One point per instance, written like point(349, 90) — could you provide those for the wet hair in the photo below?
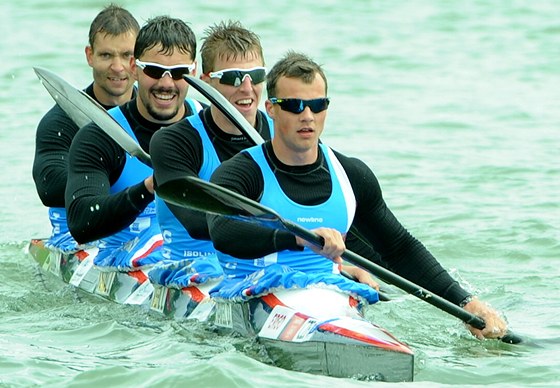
point(112, 20)
point(229, 40)
point(172, 34)
point(293, 65)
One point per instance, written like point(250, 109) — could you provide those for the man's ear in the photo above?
point(89, 55)
point(195, 70)
point(133, 67)
point(269, 106)
point(205, 77)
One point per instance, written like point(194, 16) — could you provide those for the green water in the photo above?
point(454, 104)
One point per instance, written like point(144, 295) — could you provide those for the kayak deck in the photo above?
point(316, 330)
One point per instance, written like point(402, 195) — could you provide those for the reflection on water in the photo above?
point(453, 104)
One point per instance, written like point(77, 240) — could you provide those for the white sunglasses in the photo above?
point(157, 71)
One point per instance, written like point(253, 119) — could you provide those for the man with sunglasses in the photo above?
point(110, 195)
point(111, 45)
point(323, 190)
point(233, 63)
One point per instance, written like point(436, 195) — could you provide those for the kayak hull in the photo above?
point(315, 330)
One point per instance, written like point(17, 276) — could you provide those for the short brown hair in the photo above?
point(171, 33)
point(112, 20)
point(228, 40)
point(293, 65)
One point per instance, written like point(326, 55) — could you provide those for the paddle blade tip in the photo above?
point(513, 339)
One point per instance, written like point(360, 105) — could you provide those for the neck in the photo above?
point(106, 99)
point(224, 124)
point(293, 156)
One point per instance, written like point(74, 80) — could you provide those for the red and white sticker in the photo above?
point(286, 324)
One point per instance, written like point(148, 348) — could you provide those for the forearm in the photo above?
point(232, 237)
point(50, 164)
point(50, 176)
point(193, 221)
point(419, 266)
point(94, 216)
point(398, 249)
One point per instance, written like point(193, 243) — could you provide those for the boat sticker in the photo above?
point(300, 328)
point(106, 280)
point(158, 299)
point(83, 268)
point(202, 310)
point(224, 315)
point(53, 263)
point(141, 294)
point(276, 322)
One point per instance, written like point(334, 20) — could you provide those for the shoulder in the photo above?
point(238, 165)
point(240, 174)
point(359, 173)
point(351, 164)
point(91, 135)
point(54, 119)
point(181, 131)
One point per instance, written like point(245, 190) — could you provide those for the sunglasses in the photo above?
point(157, 71)
point(234, 77)
point(297, 105)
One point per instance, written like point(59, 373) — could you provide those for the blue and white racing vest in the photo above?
point(177, 242)
point(134, 171)
point(342, 199)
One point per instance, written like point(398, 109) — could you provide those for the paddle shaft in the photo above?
point(390, 277)
point(400, 282)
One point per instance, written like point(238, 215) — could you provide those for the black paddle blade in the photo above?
point(198, 194)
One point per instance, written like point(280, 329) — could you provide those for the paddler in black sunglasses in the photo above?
point(323, 190)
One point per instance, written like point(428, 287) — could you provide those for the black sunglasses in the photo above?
point(297, 105)
point(157, 71)
point(234, 77)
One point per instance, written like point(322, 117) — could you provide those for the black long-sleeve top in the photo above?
point(392, 244)
point(178, 151)
point(95, 162)
point(53, 138)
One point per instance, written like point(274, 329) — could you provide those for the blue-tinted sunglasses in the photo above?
point(157, 71)
point(297, 105)
point(234, 77)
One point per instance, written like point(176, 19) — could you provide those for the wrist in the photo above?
point(466, 301)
